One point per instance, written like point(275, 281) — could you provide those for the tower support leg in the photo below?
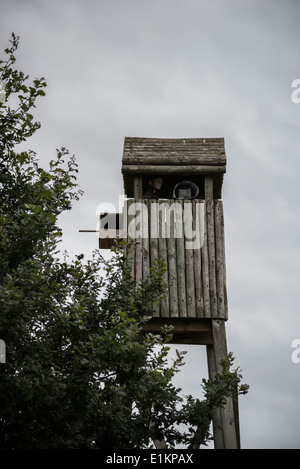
point(224, 425)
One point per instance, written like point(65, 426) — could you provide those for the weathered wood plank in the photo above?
point(130, 236)
point(162, 252)
point(212, 258)
point(158, 140)
point(145, 241)
point(205, 268)
point(189, 259)
point(139, 241)
point(180, 253)
point(153, 230)
point(180, 325)
point(197, 226)
point(172, 265)
point(151, 157)
point(219, 259)
point(163, 145)
point(224, 262)
point(176, 169)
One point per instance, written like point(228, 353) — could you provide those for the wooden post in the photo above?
point(209, 188)
point(138, 187)
point(217, 418)
point(225, 435)
point(230, 439)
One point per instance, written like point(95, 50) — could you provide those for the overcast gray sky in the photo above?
point(189, 68)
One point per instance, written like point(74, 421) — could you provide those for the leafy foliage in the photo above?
point(80, 373)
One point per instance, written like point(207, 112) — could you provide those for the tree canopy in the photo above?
point(79, 371)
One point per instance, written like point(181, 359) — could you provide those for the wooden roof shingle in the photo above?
point(166, 156)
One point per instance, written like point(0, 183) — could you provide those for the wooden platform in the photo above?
point(184, 331)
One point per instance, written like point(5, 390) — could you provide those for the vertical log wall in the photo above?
point(189, 236)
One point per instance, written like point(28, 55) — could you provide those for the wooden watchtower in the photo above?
point(175, 212)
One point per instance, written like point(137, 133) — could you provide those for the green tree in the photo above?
point(79, 371)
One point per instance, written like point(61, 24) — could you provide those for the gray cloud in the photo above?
point(189, 69)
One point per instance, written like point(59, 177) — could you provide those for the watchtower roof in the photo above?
point(188, 157)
